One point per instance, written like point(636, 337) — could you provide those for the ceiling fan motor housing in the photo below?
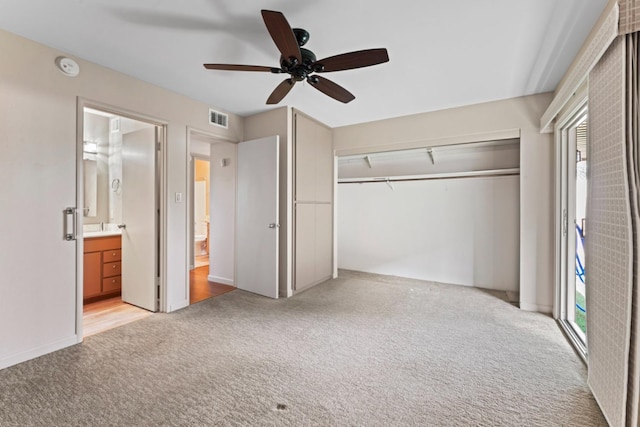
point(298, 71)
point(302, 36)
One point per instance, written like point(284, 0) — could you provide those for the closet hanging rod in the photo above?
point(475, 174)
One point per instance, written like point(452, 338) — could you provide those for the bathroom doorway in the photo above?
point(120, 217)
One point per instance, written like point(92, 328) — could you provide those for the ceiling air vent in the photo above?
point(219, 119)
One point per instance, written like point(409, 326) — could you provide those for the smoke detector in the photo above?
point(67, 66)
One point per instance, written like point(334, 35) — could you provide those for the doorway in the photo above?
point(573, 158)
point(120, 217)
point(211, 208)
point(201, 196)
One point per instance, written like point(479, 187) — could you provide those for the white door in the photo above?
point(257, 216)
point(140, 219)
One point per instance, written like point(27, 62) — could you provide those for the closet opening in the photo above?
point(443, 213)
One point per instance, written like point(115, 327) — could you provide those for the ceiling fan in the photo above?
point(301, 63)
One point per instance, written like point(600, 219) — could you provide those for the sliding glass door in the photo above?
point(573, 289)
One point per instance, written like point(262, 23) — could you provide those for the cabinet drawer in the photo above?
point(110, 269)
point(111, 284)
point(111, 256)
point(96, 244)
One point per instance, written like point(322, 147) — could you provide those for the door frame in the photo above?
point(574, 113)
point(161, 191)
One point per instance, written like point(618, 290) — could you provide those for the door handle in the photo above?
point(121, 226)
point(274, 225)
point(66, 234)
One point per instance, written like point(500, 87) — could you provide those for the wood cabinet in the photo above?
point(102, 267)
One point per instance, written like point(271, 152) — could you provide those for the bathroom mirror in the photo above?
point(90, 188)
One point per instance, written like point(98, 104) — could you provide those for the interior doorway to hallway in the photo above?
point(211, 214)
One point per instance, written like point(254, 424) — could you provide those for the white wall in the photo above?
point(494, 120)
point(460, 231)
point(222, 216)
point(38, 127)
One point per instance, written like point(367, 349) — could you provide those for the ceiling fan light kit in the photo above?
point(301, 63)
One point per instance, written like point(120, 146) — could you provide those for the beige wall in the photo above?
point(493, 120)
point(39, 123)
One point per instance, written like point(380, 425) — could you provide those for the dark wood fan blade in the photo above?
point(282, 34)
point(330, 88)
point(233, 67)
point(281, 91)
point(351, 60)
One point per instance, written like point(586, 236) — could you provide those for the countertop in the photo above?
point(90, 234)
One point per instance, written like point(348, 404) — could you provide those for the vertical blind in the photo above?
point(608, 247)
point(613, 249)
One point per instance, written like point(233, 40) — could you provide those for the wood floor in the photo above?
point(200, 288)
point(201, 260)
point(113, 312)
point(110, 313)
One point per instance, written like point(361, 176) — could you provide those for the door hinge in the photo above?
point(157, 293)
point(565, 222)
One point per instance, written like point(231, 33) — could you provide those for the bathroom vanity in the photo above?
point(102, 267)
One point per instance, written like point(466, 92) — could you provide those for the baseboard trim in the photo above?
point(38, 351)
point(546, 309)
point(222, 280)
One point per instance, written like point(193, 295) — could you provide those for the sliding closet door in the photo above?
point(38, 171)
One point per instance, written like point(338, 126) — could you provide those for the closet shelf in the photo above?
point(425, 177)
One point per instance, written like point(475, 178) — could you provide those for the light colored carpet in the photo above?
point(359, 350)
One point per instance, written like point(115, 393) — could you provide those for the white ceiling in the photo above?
point(442, 53)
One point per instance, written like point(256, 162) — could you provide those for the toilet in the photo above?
point(200, 239)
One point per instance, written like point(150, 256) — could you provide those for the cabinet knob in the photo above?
point(113, 281)
point(114, 267)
